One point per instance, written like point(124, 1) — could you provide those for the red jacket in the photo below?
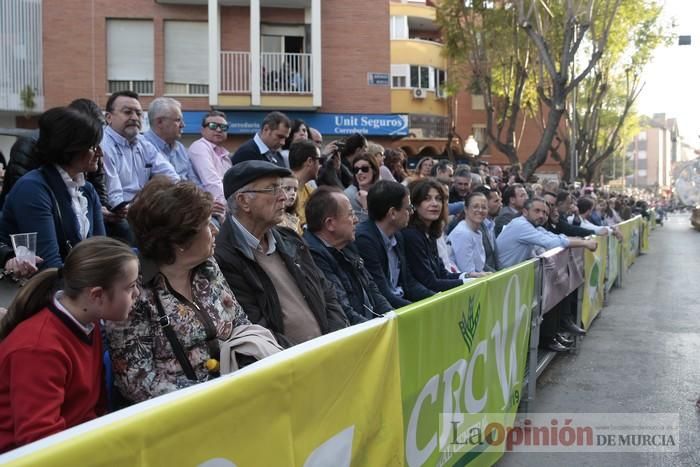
point(50, 378)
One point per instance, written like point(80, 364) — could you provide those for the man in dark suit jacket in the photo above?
point(330, 230)
point(561, 202)
point(488, 234)
point(381, 246)
point(266, 143)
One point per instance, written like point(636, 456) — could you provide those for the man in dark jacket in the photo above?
point(562, 204)
point(266, 143)
point(330, 231)
point(269, 268)
point(514, 198)
point(381, 245)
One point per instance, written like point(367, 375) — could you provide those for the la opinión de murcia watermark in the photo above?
point(556, 432)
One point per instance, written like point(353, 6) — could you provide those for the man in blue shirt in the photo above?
point(129, 159)
point(524, 235)
point(166, 124)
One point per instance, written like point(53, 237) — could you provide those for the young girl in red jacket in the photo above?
point(51, 367)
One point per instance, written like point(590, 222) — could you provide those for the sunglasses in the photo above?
point(364, 168)
point(214, 126)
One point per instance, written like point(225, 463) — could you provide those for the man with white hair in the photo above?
point(166, 124)
point(269, 268)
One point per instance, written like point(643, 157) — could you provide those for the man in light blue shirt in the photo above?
point(521, 238)
point(166, 124)
point(130, 160)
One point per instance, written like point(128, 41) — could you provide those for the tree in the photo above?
point(605, 118)
point(558, 29)
point(529, 57)
point(490, 56)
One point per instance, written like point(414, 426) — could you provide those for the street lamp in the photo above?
point(471, 147)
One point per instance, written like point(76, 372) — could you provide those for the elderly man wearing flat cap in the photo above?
point(268, 267)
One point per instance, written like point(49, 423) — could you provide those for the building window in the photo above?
point(186, 67)
point(642, 173)
point(478, 102)
point(440, 78)
point(420, 77)
point(641, 155)
point(398, 81)
point(399, 76)
point(130, 56)
point(479, 132)
point(399, 27)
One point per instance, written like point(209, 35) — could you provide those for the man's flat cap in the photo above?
point(246, 172)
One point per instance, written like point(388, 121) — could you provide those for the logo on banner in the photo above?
point(469, 324)
point(594, 279)
point(459, 382)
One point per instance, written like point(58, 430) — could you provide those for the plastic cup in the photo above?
point(24, 245)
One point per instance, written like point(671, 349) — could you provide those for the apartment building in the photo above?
point(654, 152)
point(369, 66)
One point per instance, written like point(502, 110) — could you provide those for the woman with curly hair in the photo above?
point(175, 333)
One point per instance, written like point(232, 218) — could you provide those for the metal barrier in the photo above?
point(559, 273)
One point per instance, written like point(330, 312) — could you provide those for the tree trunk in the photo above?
point(539, 155)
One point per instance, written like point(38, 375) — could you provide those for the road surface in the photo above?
point(642, 354)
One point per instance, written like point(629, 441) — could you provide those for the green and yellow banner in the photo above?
point(337, 403)
point(613, 262)
point(630, 245)
point(464, 352)
point(595, 266)
point(383, 393)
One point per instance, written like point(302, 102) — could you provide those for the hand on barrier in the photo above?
point(479, 274)
point(590, 244)
point(618, 234)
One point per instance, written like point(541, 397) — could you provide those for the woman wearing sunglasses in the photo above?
point(365, 174)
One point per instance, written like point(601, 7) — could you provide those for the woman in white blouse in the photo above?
point(467, 245)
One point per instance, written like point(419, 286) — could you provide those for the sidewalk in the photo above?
point(641, 355)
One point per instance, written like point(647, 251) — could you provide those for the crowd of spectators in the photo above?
point(241, 255)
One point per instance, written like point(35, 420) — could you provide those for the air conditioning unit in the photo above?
point(419, 93)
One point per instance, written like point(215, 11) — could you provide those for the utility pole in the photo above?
point(573, 156)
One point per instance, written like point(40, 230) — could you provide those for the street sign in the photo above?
point(378, 79)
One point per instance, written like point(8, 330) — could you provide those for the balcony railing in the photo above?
point(21, 83)
point(286, 73)
point(280, 73)
point(235, 72)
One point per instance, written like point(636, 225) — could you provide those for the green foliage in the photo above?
point(28, 97)
point(606, 119)
point(527, 56)
point(489, 55)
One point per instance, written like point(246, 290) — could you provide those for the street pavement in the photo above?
point(641, 355)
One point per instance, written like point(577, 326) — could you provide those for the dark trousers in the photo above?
point(120, 231)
